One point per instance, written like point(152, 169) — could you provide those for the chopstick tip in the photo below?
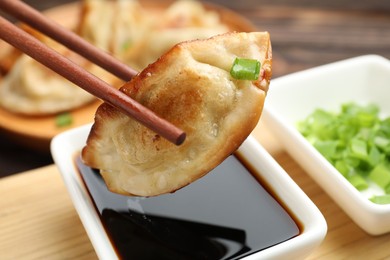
point(181, 138)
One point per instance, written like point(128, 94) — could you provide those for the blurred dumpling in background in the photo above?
point(138, 36)
point(32, 89)
point(183, 20)
point(8, 56)
point(128, 29)
point(96, 22)
point(25, 90)
point(113, 26)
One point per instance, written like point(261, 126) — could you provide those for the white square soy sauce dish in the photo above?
point(362, 80)
point(226, 214)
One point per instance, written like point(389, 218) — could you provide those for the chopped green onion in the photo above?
point(355, 140)
point(358, 148)
point(381, 199)
point(375, 156)
point(64, 119)
point(327, 148)
point(127, 44)
point(245, 69)
point(380, 175)
point(343, 167)
point(381, 142)
point(387, 189)
point(358, 182)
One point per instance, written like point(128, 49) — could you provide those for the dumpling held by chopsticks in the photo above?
point(194, 87)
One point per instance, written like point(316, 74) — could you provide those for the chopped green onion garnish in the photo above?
point(356, 141)
point(381, 199)
point(375, 156)
point(380, 175)
point(343, 167)
point(64, 119)
point(245, 69)
point(127, 44)
point(358, 182)
point(327, 148)
point(358, 148)
point(387, 189)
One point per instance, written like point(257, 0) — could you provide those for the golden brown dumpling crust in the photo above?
point(191, 87)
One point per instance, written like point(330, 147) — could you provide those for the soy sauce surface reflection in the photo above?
point(225, 215)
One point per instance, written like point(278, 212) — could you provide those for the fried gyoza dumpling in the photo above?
point(184, 20)
point(32, 89)
point(113, 25)
point(101, 13)
point(191, 87)
point(138, 35)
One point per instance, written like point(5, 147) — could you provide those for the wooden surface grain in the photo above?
point(37, 219)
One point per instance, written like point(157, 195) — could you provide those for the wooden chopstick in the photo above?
point(92, 84)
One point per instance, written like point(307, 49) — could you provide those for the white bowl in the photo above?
point(313, 229)
point(292, 98)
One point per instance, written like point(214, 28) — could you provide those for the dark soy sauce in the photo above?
point(225, 215)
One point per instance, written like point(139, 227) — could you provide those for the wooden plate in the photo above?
point(37, 132)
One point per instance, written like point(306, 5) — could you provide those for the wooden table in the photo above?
point(37, 218)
